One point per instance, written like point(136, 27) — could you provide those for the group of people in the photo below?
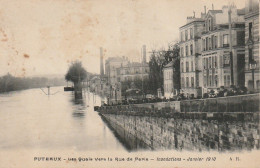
point(220, 92)
point(223, 92)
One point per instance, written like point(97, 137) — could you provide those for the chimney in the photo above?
point(144, 53)
point(205, 10)
point(101, 62)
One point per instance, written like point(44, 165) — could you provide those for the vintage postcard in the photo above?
point(129, 83)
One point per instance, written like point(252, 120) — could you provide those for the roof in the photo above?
point(215, 11)
point(95, 78)
point(135, 64)
point(193, 21)
point(115, 59)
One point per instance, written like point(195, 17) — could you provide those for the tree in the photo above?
point(76, 73)
point(158, 60)
point(173, 54)
point(156, 64)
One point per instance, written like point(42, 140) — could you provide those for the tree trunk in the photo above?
point(78, 90)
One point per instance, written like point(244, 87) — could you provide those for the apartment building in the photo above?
point(133, 71)
point(112, 70)
point(217, 45)
point(252, 44)
point(190, 53)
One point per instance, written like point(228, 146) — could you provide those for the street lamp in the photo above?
point(252, 67)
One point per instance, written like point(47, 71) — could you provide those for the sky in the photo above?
point(40, 37)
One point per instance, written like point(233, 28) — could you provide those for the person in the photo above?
point(212, 94)
point(221, 91)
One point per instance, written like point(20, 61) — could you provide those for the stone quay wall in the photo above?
point(229, 123)
point(159, 133)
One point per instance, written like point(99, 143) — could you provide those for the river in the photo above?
point(32, 120)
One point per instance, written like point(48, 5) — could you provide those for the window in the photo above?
point(181, 51)
point(207, 67)
point(209, 24)
point(241, 38)
point(187, 81)
point(191, 64)
point(204, 63)
point(205, 81)
point(203, 45)
point(186, 50)
point(187, 66)
point(136, 71)
point(191, 49)
point(250, 53)
point(210, 62)
point(216, 42)
point(216, 80)
point(118, 71)
point(192, 82)
point(216, 64)
point(250, 30)
point(213, 62)
point(191, 33)
point(210, 44)
point(210, 82)
point(226, 60)
point(182, 36)
point(182, 67)
point(182, 82)
point(225, 40)
point(226, 80)
point(186, 35)
point(207, 43)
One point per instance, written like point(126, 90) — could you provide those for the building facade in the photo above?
point(168, 80)
point(252, 44)
point(217, 45)
point(190, 53)
point(118, 70)
point(133, 71)
point(112, 68)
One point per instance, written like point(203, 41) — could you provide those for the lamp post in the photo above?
point(252, 66)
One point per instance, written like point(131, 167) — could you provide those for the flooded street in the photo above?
point(32, 120)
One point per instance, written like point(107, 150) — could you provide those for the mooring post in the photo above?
point(48, 90)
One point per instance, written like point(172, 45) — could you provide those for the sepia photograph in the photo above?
point(129, 83)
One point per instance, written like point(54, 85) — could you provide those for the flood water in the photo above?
point(30, 119)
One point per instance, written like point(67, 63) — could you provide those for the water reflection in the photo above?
point(79, 107)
